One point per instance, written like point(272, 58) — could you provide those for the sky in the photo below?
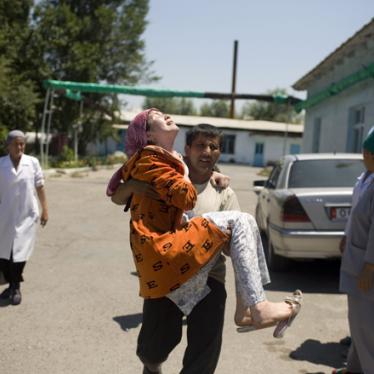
point(191, 41)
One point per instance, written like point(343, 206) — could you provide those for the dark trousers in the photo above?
point(161, 331)
point(12, 271)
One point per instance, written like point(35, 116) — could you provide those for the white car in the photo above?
point(303, 206)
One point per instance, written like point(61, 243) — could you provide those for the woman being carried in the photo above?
point(173, 252)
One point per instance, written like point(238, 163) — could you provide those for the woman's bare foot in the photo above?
point(261, 315)
point(242, 315)
point(267, 314)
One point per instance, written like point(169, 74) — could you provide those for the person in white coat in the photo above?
point(21, 182)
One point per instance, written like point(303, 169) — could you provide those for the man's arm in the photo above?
point(231, 201)
point(366, 277)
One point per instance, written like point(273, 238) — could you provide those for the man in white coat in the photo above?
point(21, 182)
point(357, 268)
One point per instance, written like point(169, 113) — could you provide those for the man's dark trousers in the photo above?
point(161, 331)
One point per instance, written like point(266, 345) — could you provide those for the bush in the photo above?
point(116, 158)
point(66, 160)
point(67, 154)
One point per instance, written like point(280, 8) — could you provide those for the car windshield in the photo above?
point(325, 173)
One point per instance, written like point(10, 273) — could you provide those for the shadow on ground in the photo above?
point(329, 354)
point(130, 321)
point(311, 277)
point(4, 303)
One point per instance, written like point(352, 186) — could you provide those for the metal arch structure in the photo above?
point(73, 91)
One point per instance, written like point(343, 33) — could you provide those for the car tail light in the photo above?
point(293, 211)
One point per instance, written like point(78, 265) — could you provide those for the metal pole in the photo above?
point(76, 129)
point(42, 130)
point(233, 86)
point(50, 111)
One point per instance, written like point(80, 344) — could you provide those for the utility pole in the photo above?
point(233, 85)
point(77, 128)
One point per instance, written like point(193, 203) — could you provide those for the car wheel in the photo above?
point(274, 261)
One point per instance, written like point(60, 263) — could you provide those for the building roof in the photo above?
point(224, 123)
point(345, 49)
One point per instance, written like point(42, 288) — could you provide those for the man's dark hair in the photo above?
point(204, 129)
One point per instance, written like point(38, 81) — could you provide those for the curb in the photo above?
point(69, 171)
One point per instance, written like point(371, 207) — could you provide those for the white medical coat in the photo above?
point(19, 211)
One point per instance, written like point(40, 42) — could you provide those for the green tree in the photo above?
point(218, 108)
point(88, 41)
point(171, 105)
point(18, 93)
point(260, 110)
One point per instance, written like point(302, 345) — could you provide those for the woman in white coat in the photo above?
point(21, 182)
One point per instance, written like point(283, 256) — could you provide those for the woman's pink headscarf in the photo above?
point(136, 137)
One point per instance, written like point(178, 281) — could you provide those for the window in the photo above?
point(358, 132)
point(273, 178)
point(356, 127)
point(359, 115)
point(325, 173)
point(228, 144)
point(259, 148)
point(316, 134)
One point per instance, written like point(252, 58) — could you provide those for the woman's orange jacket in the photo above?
point(166, 253)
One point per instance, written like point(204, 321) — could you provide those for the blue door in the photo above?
point(294, 149)
point(121, 142)
point(259, 155)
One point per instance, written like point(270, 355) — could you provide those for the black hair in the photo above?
point(204, 129)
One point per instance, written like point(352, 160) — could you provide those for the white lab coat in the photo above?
point(19, 211)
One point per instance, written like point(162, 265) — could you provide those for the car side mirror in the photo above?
point(258, 186)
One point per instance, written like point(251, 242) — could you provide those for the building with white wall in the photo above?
point(340, 96)
point(245, 142)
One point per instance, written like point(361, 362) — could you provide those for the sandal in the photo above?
point(295, 302)
point(247, 328)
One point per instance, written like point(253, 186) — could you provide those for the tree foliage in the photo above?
point(171, 105)
point(74, 40)
point(18, 93)
point(271, 111)
point(217, 108)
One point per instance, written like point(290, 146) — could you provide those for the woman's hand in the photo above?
point(219, 180)
point(132, 186)
point(226, 247)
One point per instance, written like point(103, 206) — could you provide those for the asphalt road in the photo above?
point(81, 312)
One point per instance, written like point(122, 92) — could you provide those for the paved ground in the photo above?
point(81, 313)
